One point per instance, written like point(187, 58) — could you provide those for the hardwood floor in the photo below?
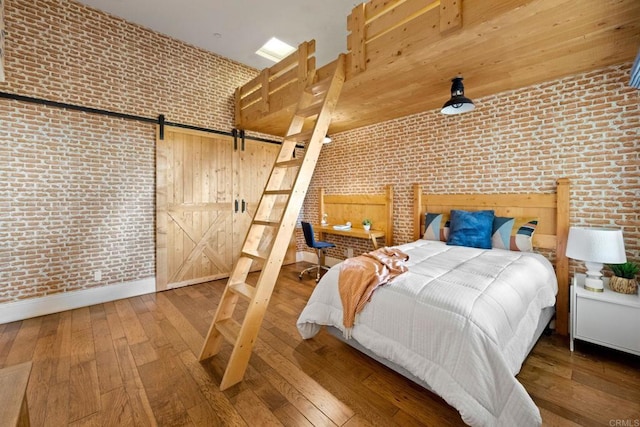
point(134, 362)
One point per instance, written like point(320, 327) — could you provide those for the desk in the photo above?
point(358, 233)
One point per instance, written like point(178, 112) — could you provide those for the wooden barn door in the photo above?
point(255, 161)
point(195, 207)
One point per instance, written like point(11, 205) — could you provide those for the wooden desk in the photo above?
point(358, 233)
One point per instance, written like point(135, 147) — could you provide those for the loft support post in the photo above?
point(562, 262)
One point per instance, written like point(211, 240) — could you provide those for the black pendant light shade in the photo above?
point(458, 103)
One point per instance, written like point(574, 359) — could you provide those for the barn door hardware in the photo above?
point(161, 122)
point(161, 125)
point(234, 133)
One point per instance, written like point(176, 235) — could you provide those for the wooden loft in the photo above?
point(402, 55)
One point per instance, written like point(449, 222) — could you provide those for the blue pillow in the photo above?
point(472, 229)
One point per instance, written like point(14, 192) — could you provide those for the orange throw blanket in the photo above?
point(361, 275)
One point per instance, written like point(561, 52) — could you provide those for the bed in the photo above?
point(462, 320)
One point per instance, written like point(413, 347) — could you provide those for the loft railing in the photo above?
point(381, 31)
point(378, 27)
point(277, 87)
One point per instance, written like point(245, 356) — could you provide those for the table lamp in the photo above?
point(596, 246)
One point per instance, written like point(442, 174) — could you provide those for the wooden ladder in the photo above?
point(310, 123)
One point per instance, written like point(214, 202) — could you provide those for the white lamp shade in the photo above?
point(600, 245)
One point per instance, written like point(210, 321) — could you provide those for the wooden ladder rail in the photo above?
point(316, 100)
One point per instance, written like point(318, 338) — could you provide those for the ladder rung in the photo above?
point(319, 86)
point(310, 111)
point(258, 256)
point(289, 163)
point(300, 137)
point(229, 329)
point(268, 223)
point(243, 289)
point(277, 192)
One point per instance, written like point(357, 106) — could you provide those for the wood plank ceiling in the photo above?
point(502, 45)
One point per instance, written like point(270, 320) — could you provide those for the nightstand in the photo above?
point(606, 318)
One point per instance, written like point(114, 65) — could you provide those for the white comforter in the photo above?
point(461, 319)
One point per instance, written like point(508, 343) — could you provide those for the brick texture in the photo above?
point(77, 196)
point(77, 190)
point(64, 51)
point(585, 127)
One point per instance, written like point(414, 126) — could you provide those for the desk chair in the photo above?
point(320, 247)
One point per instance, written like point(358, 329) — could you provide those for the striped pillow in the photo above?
point(436, 227)
point(512, 233)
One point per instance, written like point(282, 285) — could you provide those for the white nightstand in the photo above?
point(607, 318)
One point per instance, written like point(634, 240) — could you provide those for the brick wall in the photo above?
point(67, 52)
point(77, 197)
point(586, 127)
point(77, 190)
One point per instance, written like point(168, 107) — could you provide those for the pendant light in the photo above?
point(458, 103)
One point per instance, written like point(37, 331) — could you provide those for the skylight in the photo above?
point(275, 50)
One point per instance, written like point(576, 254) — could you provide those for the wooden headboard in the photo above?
point(551, 209)
point(353, 208)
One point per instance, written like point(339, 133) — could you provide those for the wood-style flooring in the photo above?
point(134, 362)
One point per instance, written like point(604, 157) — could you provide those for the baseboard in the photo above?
point(311, 257)
point(25, 309)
